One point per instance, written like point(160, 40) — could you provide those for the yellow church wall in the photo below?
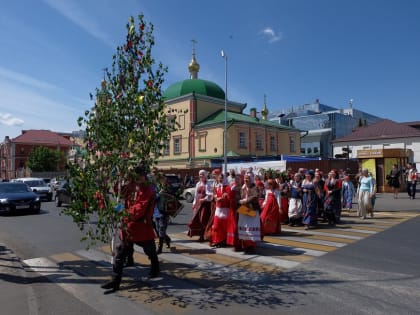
point(209, 143)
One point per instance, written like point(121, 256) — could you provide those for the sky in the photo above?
point(53, 52)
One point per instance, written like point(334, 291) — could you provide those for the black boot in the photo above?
point(168, 241)
point(154, 273)
point(129, 262)
point(159, 251)
point(154, 269)
point(113, 285)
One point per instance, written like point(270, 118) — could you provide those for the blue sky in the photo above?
point(52, 53)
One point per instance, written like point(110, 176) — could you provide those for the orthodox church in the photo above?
point(198, 111)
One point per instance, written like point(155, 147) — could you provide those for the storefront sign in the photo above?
point(369, 153)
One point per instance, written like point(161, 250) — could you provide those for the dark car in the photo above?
point(175, 184)
point(63, 194)
point(15, 196)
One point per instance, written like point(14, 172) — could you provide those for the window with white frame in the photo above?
point(202, 141)
point(166, 147)
point(177, 145)
point(171, 122)
point(242, 140)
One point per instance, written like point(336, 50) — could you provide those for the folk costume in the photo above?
point(232, 224)
point(347, 191)
point(249, 227)
point(310, 218)
point(283, 200)
point(137, 228)
point(220, 219)
point(201, 207)
point(270, 214)
point(332, 203)
point(295, 201)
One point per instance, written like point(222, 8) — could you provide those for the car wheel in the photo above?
point(189, 197)
point(57, 201)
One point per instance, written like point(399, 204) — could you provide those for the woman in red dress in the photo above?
point(270, 215)
point(220, 219)
point(232, 221)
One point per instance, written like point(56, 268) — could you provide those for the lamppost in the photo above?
point(224, 56)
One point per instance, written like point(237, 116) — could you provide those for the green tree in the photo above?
point(42, 159)
point(127, 124)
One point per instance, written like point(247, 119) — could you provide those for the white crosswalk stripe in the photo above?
point(190, 261)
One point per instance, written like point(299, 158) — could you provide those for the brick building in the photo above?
point(15, 152)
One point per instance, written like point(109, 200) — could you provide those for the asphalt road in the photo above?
point(377, 274)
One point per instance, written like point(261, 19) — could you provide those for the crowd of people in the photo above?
point(238, 210)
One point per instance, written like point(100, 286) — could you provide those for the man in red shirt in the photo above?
point(137, 228)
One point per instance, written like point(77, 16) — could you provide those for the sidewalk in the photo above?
point(386, 202)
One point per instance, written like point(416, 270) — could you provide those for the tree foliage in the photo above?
point(42, 159)
point(127, 124)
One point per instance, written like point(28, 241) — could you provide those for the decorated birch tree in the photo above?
point(128, 124)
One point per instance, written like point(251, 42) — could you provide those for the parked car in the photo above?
point(38, 186)
point(62, 194)
point(55, 183)
point(16, 196)
point(189, 193)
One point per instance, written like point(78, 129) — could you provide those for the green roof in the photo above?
point(219, 117)
point(198, 86)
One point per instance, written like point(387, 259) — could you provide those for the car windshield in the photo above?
point(13, 188)
point(35, 183)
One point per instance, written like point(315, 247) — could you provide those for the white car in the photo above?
point(189, 193)
point(38, 186)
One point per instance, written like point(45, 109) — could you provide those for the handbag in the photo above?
point(246, 211)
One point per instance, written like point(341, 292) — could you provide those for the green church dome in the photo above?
point(198, 86)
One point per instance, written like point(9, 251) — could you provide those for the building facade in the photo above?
point(322, 124)
point(15, 152)
point(198, 108)
point(379, 146)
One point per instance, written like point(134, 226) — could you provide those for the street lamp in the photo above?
point(224, 56)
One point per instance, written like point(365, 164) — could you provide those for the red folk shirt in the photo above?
point(139, 222)
point(222, 196)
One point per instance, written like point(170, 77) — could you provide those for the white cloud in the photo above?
point(271, 35)
point(9, 120)
point(34, 108)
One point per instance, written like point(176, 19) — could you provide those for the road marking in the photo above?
point(191, 267)
point(83, 287)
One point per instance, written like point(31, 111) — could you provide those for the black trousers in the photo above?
point(411, 188)
point(125, 249)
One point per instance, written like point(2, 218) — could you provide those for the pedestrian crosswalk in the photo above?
point(192, 270)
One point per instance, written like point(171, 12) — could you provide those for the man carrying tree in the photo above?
point(137, 228)
point(127, 125)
